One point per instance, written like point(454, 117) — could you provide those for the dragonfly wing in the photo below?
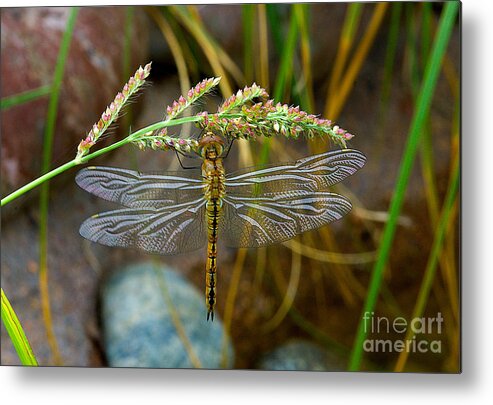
point(140, 190)
point(167, 230)
point(313, 173)
point(266, 220)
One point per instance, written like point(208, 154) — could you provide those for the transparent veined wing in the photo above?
point(276, 203)
point(263, 221)
point(313, 173)
point(141, 190)
point(167, 230)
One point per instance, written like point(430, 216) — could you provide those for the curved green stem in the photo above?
point(75, 162)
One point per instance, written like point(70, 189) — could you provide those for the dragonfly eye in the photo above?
point(211, 146)
point(212, 151)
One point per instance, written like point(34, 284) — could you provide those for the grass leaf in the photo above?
point(44, 195)
point(24, 97)
point(16, 333)
point(422, 108)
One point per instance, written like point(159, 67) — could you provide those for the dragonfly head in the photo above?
point(211, 146)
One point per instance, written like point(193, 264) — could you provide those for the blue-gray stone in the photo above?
point(300, 355)
point(138, 327)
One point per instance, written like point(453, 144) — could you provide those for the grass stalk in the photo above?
point(230, 301)
point(390, 53)
point(333, 104)
point(209, 48)
point(284, 74)
point(348, 31)
point(174, 46)
point(16, 333)
point(126, 58)
point(24, 97)
point(446, 258)
point(275, 22)
point(288, 296)
point(263, 44)
point(421, 112)
point(225, 59)
point(248, 21)
point(176, 51)
point(75, 162)
point(127, 42)
point(175, 317)
point(44, 195)
point(429, 276)
point(285, 71)
point(302, 15)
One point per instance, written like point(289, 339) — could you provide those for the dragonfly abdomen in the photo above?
point(212, 213)
point(214, 191)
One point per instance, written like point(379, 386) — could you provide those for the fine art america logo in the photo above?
point(415, 332)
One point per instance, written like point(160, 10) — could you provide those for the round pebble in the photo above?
point(139, 330)
point(302, 356)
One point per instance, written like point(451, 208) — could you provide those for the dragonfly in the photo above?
point(177, 212)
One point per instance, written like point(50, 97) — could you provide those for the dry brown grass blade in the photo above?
point(208, 48)
point(288, 297)
point(175, 318)
point(230, 301)
point(348, 285)
point(345, 45)
point(223, 56)
point(178, 56)
point(335, 102)
point(47, 319)
point(329, 257)
point(259, 270)
point(174, 45)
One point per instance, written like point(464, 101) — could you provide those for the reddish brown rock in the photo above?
point(93, 74)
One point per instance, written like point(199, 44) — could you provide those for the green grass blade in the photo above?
point(390, 52)
point(248, 20)
point(127, 42)
point(24, 97)
point(16, 333)
point(351, 23)
point(422, 108)
point(426, 30)
point(127, 60)
point(307, 99)
point(275, 22)
point(412, 58)
point(284, 74)
point(431, 266)
point(44, 195)
point(56, 86)
point(285, 71)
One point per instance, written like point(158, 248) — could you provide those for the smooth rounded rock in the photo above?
point(302, 356)
point(140, 331)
